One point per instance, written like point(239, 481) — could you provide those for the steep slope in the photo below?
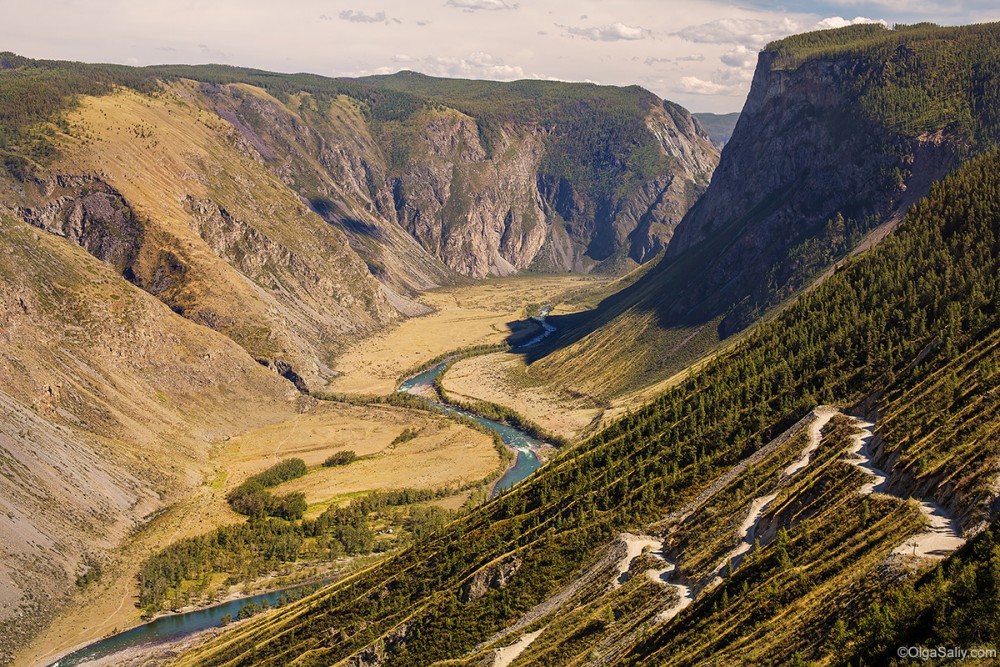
point(490, 178)
point(296, 213)
point(322, 148)
point(842, 130)
point(108, 408)
point(907, 333)
point(595, 177)
point(179, 205)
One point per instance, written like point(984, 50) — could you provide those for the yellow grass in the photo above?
point(463, 316)
point(444, 454)
point(503, 378)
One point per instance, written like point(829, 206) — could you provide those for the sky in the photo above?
point(699, 53)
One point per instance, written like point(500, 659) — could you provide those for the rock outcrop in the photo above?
point(489, 577)
point(436, 189)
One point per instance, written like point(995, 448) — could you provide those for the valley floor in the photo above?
point(477, 314)
point(443, 454)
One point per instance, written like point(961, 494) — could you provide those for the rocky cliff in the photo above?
point(841, 132)
point(562, 177)
point(806, 174)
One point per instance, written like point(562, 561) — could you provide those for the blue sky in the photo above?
point(700, 53)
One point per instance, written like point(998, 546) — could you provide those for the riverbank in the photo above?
point(136, 643)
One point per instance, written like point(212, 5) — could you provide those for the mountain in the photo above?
point(718, 126)
point(295, 213)
point(841, 132)
point(765, 540)
point(609, 171)
point(822, 491)
point(109, 406)
point(177, 240)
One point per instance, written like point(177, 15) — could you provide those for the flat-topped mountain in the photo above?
point(841, 132)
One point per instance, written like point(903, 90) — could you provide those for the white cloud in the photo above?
point(692, 84)
point(740, 56)
point(609, 33)
point(730, 82)
point(838, 22)
point(476, 5)
point(358, 16)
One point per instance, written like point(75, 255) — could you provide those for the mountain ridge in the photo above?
point(811, 169)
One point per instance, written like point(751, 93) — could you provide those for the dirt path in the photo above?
point(822, 413)
point(821, 416)
point(862, 458)
point(634, 546)
point(940, 538)
point(748, 529)
point(685, 596)
point(506, 655)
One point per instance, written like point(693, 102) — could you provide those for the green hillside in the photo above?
point(910, 326)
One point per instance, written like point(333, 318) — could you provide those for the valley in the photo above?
point(442, 455)
point(490, 374)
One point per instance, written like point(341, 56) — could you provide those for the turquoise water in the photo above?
point(167, 627)
point(522, 443)
point(176, 626)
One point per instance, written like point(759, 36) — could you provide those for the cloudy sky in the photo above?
point(700, 53)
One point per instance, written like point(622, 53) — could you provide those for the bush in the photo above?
point(252, 498)
point(340, 458)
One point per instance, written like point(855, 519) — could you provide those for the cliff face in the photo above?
point(449, 187)
point(807, 173)
point(831, 148)
point(480, 215)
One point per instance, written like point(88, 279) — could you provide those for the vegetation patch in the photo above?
point(252, 498)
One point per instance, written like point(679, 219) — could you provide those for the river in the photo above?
point(527, 461)
point(165, 628)
point(177, 626)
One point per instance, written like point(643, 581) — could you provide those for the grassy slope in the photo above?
point(859, 332)
point(277, 279)
point(110, 405)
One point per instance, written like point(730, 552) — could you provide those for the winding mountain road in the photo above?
point(940, 538)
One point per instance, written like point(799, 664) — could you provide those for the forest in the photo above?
point(886, 321)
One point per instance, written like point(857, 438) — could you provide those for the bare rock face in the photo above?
point(375, 654)
point(429, 196)
point(91, 213)
point(803, 166)
point(489, 577)
point(480, 216)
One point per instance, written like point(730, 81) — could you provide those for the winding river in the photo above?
point(165, 628)
point(527, 462)
point(177, 626)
